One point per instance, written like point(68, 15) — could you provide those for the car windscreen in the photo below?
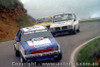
point(32, 35)
point(62, 17)
point(44, 20)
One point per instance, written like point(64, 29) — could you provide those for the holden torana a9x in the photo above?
point(65, 23)
point(36, 43)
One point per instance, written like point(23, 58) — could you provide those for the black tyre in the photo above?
point(59, 57)
point(74, 31)
point(54, 34)
point(17, 53)
point(22, 60)
point(78, 30)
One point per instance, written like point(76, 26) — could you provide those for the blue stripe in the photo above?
point(54, 42)
point(25, 45)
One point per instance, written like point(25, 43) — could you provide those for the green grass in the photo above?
point(89, 53)
point(4, 41)
point(94, 20)
point(1, 41)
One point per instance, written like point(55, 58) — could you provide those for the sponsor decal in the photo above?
point(35, 31)
point(39, 43)
point(31, 46)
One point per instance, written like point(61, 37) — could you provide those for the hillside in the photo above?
point(12, 17)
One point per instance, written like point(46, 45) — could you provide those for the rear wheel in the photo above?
point(59, 57)
point(78, 30)
point(54, 34)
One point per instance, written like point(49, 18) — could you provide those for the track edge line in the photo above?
point(72, 58)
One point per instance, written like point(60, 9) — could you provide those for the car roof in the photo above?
point(64, 14)
point(45, 17)
point(33, 28)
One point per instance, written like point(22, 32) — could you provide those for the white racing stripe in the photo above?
point(40, 43)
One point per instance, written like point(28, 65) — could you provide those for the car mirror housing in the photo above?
point(17, 40)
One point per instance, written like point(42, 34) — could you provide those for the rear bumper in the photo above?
point(41, 57)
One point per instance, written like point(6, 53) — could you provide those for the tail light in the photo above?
point(42, 51)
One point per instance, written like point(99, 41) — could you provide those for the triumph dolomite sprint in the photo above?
point(36, 43)
point(65, 23)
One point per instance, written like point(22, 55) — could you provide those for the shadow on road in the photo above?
point(62, 35)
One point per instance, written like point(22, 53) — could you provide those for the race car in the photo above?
point(65, 23)
point(36, 43)
point(44, 21)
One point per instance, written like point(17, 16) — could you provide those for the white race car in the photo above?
point(65, 23)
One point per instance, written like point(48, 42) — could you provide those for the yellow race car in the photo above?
point(44, 21)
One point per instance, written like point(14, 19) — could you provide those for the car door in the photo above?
point(18, 38)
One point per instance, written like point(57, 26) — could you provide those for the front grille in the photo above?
point(64, 28)
point(57, 28)
point(42, 51)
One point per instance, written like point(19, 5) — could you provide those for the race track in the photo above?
point(67, 42)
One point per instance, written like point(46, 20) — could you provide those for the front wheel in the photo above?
point(78, 30)
point(22, 60)
point(17, 54)
point(74, 31)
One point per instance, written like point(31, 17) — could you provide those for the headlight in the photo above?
point(70, 26)
point(28, 52)
point(55, 48)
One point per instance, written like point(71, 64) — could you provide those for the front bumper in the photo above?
point(41, 57)
point(62, 31)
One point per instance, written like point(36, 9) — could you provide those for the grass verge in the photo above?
point(89, 53)
point(1, 41)
point(94, 20)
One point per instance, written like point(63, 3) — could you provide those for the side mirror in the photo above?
point(17, 40)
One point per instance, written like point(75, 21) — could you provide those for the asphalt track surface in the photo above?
point(67, 42)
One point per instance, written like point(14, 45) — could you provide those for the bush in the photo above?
point(24, 21)
point(7, 3)
point(92, 20)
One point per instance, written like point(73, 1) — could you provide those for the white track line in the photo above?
point(72, 58)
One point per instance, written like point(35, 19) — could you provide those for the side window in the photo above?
point(19, 34)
